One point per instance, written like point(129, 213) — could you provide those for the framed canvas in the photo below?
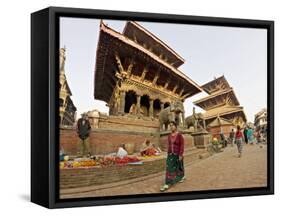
point(131, 107)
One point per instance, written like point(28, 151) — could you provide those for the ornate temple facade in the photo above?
point(67, 110)
point(221, 102)
point(137, 74)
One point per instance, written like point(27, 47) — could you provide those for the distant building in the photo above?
point(261, 120)
point(222, 102)
point(67, 108)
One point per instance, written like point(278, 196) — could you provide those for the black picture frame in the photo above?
point(44, 106)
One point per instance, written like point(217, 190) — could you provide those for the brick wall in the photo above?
point(72, 178)
point(104, 141)
point(116, 130)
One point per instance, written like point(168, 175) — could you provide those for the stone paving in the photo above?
point(223, 170)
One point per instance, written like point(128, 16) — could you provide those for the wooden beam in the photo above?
point(145, 70)
point(167, 83)
point(181, 92)
point(134, 37)
point(130, 67)
point(156, 77)
point(184, 96)
point(119, 63)
point(175, 88)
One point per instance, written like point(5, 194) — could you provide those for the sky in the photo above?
point(240, 54)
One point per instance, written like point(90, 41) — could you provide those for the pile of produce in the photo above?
point(99, 161)
point(126, 160)
point(77, 164)
point(145, 157)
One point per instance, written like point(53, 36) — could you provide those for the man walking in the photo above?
point(83, 130)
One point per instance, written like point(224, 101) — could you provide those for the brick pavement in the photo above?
point(221, 171)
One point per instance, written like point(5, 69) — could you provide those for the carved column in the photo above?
point(182, 115)
point(162, 105)
point(138, 104)
point(183, 119)
point(122, 102)
point(150, 107)
point(173, 116)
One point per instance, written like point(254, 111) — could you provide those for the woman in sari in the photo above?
point(174, 162)
point(238, 140)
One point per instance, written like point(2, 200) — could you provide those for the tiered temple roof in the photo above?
point(215, 85)
point(224, 110)
point(221, 101)
point(145, 60)
point(142, 36)
point(218, 98)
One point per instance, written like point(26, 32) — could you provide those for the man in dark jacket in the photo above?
point(83, 130)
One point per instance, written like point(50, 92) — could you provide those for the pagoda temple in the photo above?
point(138, 77)
point(221, 101)
point(67, 108)
point(137, 74)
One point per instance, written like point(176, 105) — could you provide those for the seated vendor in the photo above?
point(121, 151)
point(158, 150)
point(148, 149)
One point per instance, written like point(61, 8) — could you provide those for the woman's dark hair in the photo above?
point(174, 123)
point(238, 127)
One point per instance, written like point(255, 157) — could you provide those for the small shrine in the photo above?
point(220, 125)
point(67, 112)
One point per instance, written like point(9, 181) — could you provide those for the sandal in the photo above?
point(182, 180)
point(164, 188)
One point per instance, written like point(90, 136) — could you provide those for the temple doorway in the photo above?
point(156, 108)
point(145, 105)
point(131, 102)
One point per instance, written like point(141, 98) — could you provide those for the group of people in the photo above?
point(247, 136)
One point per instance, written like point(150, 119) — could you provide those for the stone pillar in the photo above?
point(173, 116)
point(180, 120)
point(162, 106)
point(138, 104)
point(150, 108)
point(122, 102)
point(183, 119)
